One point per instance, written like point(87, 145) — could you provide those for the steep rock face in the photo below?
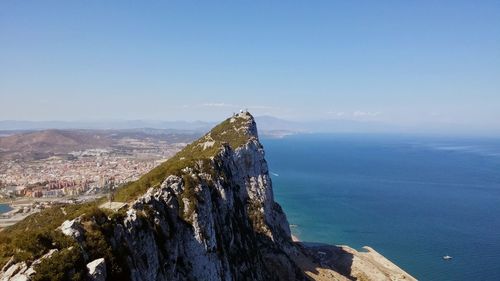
point(217, 221)
point(97, 270)
point(208, 213)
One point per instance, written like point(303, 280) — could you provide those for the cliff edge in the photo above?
point(208, 213)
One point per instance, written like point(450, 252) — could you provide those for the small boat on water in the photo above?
point(447, 257)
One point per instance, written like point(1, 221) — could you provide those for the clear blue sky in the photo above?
point(404, 62)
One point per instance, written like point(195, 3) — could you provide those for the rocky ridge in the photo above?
point(206, 214)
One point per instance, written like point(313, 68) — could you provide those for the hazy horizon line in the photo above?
point(267, 123)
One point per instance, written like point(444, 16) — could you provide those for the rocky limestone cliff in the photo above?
point(206, 214)
point(216, 221)
point(213, 219)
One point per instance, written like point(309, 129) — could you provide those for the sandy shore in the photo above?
point(19, 212)
point(23, 207)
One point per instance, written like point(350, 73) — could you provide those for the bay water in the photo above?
point(4, 208)
point(414, 199)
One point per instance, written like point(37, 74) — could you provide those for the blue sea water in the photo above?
point(4, 208)
point(413, 199)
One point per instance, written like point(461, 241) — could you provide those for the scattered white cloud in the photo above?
point(218, 104)
point(264, 107)
point(232, 106)
point(357, 114)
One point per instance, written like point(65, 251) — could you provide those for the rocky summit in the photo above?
point(208, 213)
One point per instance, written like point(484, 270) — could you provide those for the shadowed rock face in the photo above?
point(213, 217)
point(211, 223)
point(206, 214)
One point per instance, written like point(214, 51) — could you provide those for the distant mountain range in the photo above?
point(269, 126)
point(102, 125)
point(50, 139)
point(270, 123)
point(207, 213)
point(38, 140)
point(40, 144)
point(266, 124)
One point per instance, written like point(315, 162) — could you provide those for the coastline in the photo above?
point(324, 262)
point(16, 213)
point(23, 207)
point(9, 208)
point(20, 209)
point(320, 262)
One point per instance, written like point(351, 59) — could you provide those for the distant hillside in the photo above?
point(46, 143)
point(208, 213)
point(53, 140)
point(269, 126)
point(105, 125)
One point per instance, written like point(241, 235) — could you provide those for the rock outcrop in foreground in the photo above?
point(206, 214)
